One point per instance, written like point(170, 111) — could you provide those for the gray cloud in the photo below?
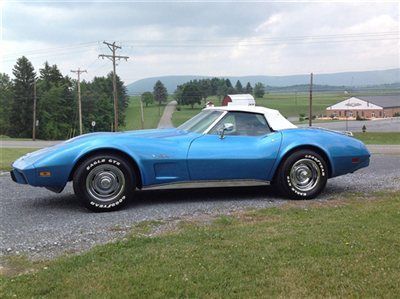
point(203, 38)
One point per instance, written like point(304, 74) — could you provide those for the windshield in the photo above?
point(201, 121)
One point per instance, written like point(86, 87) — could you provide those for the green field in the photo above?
point(289, 104)
point(9, 155)
point(152, 115)
point(379, 137)
point(346, 247)
point(179, 117)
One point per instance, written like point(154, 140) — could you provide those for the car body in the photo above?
point(209, 147)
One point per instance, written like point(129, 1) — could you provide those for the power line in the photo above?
point(113, 47)
point(222, 42)
point(47, 50)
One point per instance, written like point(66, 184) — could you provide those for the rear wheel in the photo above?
point(104, 182)
point(303, 175)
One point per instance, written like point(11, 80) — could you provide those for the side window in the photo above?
point(244, 124)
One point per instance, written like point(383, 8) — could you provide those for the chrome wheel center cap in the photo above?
point(304, 174)
point(105, 183)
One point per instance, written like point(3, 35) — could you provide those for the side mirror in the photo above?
point(228, 127)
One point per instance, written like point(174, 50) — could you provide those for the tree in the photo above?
point(222, 89)
point(239, 87)
point(22, 105)
point(147, 98)
point(190, 95)
point(55, 115)
point(178, 94)
point(160, 92)
point(249, 88)
point(228, 83)
point(50, 74)
point(259, 90)
point(6, 96)
point(214, 85)
point(231, 90)
point(205, 88)
point(57, 105)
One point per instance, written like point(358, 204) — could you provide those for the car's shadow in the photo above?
point(147, 198)
point(142, 198)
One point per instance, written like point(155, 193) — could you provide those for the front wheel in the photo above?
point(104, 182)
point(303, 175)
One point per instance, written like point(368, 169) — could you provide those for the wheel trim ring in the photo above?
point(96, 187)
point(305, 174)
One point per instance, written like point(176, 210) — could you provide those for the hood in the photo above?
point(106, 137)
point(153, 133)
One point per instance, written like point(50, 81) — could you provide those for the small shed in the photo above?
point(238, 99)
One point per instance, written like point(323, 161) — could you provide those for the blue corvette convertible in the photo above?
point(219, 144)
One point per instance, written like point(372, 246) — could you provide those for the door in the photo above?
point(247, 151)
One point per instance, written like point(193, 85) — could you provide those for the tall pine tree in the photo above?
point(239, 87)
point(160, 92)
point(22, 106)
point(249, 88)
point(6, 96)
point(56, 104)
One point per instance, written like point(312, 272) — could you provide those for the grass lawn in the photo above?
point(379, 137)
point(289, 104)
point(151, 115)
point(186, 112)
point(339, 248)
point(9, 155)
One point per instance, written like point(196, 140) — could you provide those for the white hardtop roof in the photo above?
point(245, 96)
point(354, 103)
point(275, 119)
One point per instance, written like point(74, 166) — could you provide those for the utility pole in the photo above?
point(141, 113)
point(34, 112)
point(113, 47)
point(310, 107)
point(79, 71)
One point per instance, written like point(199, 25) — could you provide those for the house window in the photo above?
point(350, 113)
point(340, 113)
point(373, 114)
point(380, 113)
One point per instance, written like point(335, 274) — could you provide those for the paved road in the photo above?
point(43, 224)
point(166, 118)
point(384, 125)
point(28, 143)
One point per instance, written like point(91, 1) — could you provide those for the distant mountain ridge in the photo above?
point(355, 79)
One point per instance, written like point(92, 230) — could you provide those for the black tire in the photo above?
point(104, 182)
point(302, 175)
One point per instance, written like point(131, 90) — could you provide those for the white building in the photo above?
point(366, 107)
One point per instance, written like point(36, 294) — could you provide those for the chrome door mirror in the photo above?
point(228, 127)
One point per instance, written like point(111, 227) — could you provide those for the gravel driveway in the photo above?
point(42, 224)
point(166, 118)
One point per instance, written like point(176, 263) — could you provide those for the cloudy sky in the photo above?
point(202, 38)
